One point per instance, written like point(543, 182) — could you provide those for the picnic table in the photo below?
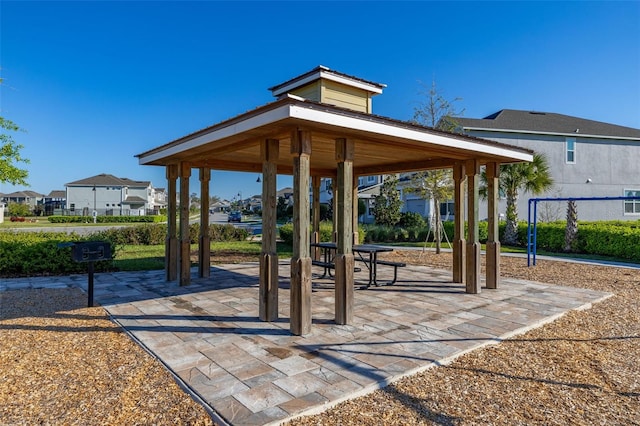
point(365, 253)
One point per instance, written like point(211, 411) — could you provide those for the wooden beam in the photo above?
point(493, 241)
point(204, 241)
point(472, 169)
point(185, 240)
point(239, 166)
point(459, 246)
point(344, 260)
point(171, 256)
point(300, 261)
point(406, 166)
point(268, 305)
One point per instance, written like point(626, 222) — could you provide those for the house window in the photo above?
point(371, 179)
point(327, 184)
point(72, 207)
point(570, 145)
point(632, 207)
point(447, 209)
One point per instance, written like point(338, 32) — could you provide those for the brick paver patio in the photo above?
point(252, 372)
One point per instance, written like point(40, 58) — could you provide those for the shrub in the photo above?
point(411, 220)
point(326, 232)
point(37, 253)
point(155, 234)
point(617, 238)
point(108, 219)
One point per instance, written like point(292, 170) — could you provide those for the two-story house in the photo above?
point(30, 198)
point(587, 159)
point(110, 195)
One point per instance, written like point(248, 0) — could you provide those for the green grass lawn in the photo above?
point(44, 223)
point(138, 258)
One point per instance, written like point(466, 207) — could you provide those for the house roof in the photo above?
point(23, 194)
point(284, 191)
point(328, 74)
point(134, 199)
point(382, 145)
point(104, 179)
point(57, 193)
point(517, 121)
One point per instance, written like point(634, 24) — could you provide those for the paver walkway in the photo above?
point(251, 372)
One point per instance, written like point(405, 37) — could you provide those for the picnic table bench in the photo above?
point(371, 261)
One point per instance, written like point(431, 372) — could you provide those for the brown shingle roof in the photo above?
point(104, 179)
point(547, 122)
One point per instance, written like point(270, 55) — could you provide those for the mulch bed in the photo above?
point(63, 363)
point(582, 369)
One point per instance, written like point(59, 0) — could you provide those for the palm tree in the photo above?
point(534, 178)
point(571, 230)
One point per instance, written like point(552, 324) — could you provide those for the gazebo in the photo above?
point(321, 125)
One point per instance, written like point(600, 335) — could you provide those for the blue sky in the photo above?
point(95, 83)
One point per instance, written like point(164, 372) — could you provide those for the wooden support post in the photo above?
point(459, 244)
point(315, 209)
point(473, 243)
point(171, 257)
point(356, 236)
point(185, 240)
point(334, 202)
point(268, 305)
point(204, 241)
point(493, 241)
point(301, 261)
point(344, 260)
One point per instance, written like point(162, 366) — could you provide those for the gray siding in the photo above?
point(612, 166)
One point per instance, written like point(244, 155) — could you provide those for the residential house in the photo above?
point(159, 199)
point(55, 202)
point(31, 198)
point(587, 159)
point(287, 194)
point(368, 188)
point(109, 195)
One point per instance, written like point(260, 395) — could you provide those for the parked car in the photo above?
point(234, 217)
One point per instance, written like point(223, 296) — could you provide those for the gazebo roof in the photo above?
point(382, 145)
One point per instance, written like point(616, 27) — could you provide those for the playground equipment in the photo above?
point(532, 232)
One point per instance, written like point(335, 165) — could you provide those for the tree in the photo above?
point(437, 185)
point(18, 209)
point(571, 230)
point(534, 178)
point(281, 208)
point(387, 205)
point(10, 156)
point(436, 111)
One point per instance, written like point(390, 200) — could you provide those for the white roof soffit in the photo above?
point(250, 123)
point(385, 129)
point(327, 117)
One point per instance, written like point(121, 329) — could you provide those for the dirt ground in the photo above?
point(63, 363)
